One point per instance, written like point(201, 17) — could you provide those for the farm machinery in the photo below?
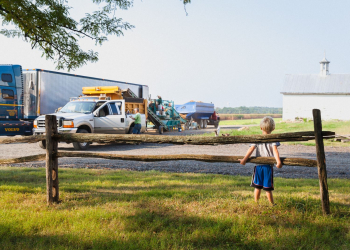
point(202, 113)
point(163, 115)
point(167, 116)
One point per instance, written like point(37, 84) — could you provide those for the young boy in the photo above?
point(263, 174)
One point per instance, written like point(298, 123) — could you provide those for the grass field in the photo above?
point(339, 127)
point(107, 209)
point(247, 116)
point(245, 121)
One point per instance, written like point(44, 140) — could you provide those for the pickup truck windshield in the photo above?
point(78, 107)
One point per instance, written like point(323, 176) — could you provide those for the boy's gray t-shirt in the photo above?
point(264, 149)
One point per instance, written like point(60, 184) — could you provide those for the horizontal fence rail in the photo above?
point(182, 157)
point(23, 139)
point(39, 157)
point(193, 140)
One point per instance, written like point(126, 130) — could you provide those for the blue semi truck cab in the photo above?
point(11, 102)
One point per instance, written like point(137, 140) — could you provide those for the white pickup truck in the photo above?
point(88, 115)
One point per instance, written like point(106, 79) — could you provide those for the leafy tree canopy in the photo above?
point(47, 26)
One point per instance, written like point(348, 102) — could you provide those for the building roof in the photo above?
point(334, 84)
point(325, 60)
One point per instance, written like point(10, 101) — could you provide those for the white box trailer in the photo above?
point(44, 91)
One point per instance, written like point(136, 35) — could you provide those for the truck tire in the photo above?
point(216, 124)
point(201, 123)
point(81, 145)
point(42, 144)
point(205, 123)
point(131, 129)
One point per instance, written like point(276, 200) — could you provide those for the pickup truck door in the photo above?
point(110, 118)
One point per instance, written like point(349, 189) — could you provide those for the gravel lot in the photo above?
point(338, 158)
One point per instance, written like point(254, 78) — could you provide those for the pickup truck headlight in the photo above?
point(68, 124)
point(35, 124)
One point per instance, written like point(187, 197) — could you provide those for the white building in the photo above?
point(328, 92)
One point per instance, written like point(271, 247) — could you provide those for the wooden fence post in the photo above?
point(52, 191)
point(321, 161)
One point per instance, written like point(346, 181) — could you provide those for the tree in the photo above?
point(47, 26)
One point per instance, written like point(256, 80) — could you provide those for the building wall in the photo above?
point(331, 106)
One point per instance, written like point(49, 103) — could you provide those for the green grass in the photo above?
point(104, 209)
point(339, 127)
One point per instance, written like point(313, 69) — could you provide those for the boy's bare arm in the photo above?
point(277, 157)
point(248, 154)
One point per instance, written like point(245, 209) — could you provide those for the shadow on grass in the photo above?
point(157, 224)
point(235, 232)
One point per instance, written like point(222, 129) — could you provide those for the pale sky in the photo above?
point(229, 52)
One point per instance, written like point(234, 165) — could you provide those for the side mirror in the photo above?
point(95, 113)
point(58, 109)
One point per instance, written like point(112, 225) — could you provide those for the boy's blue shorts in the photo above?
point(263, 177)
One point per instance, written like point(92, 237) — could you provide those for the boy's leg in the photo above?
point(257, 192)
point(270, 196)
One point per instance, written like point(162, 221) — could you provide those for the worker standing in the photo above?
point(160, 102)
point(137, 119)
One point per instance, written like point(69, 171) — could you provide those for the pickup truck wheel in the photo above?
point(81, 145)
point(131, 129)
point(42, 144)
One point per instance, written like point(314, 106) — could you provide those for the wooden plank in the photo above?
point(321, 161)
point(204, 158)
point(194, 140)
point(52, 193)
point(49, 157)
point(55, 186)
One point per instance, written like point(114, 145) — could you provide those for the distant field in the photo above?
point(245, 121)
point(107, 209)
point(246, 116)
point(339, 127)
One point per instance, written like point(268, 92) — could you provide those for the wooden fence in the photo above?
point(52, 154)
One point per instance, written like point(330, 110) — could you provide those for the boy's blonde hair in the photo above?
point(267, 124)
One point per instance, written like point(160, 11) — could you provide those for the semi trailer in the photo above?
point(26, 94)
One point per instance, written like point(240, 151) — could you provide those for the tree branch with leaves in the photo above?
point(47, 26)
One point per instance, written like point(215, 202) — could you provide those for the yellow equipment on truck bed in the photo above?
point(115, 93)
